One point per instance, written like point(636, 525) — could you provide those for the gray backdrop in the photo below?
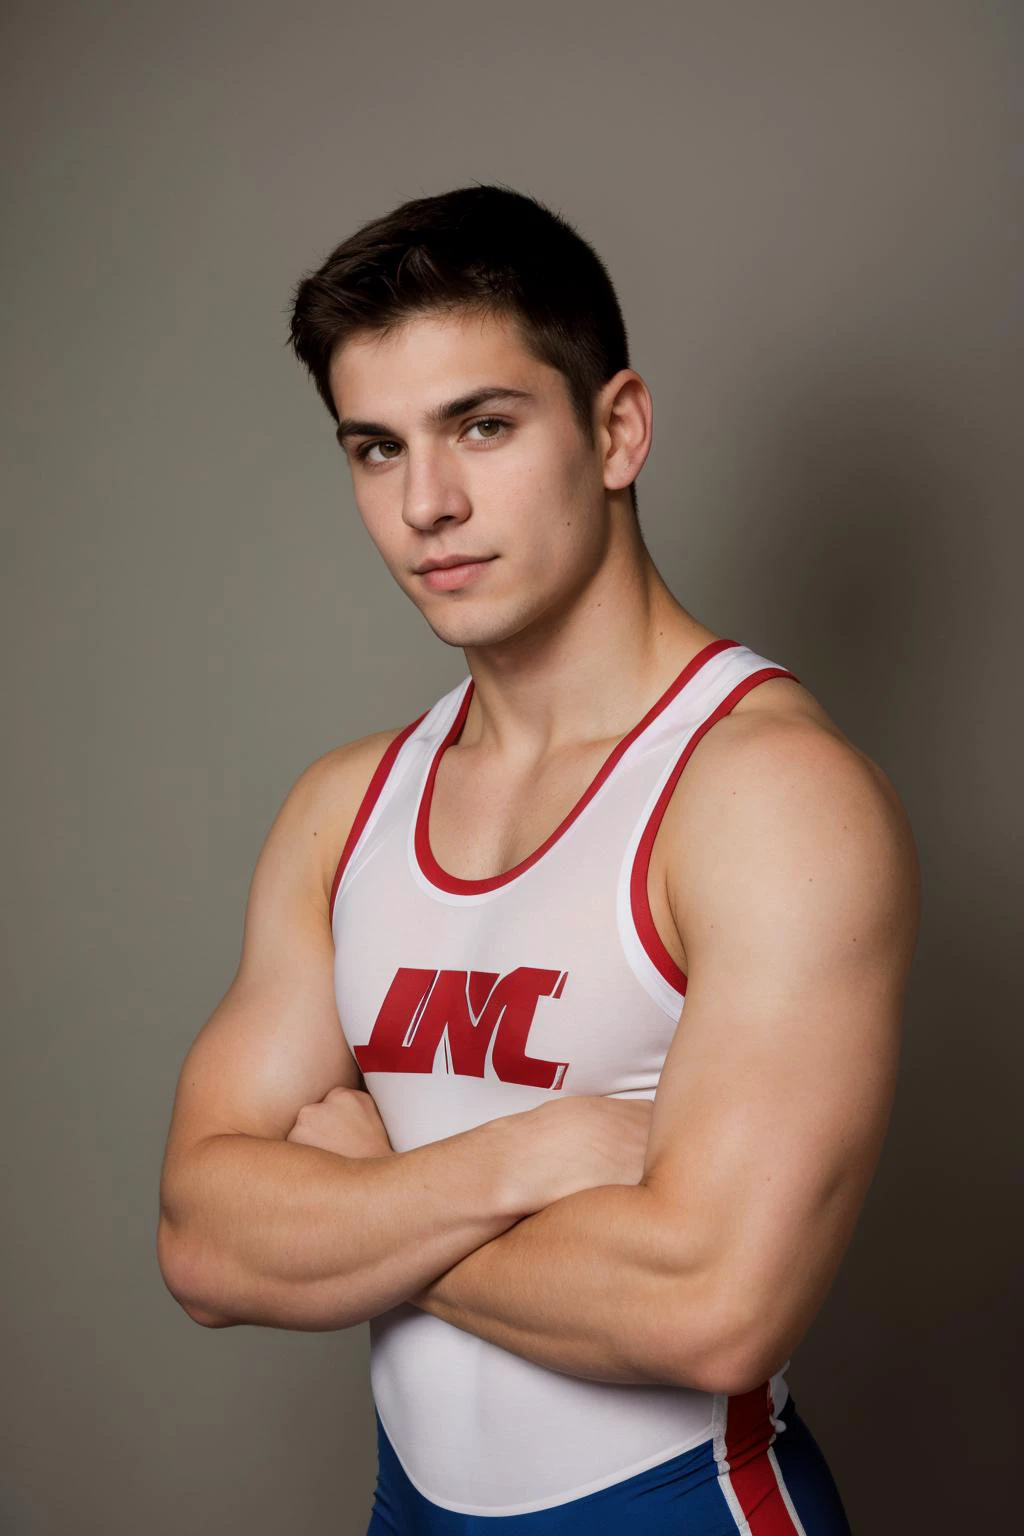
point(813, 218)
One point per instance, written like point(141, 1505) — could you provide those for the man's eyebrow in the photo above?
point(349, 426)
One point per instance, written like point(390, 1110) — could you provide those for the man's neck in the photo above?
point(594, 674)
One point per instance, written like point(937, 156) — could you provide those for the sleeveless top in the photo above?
point(462, 1000)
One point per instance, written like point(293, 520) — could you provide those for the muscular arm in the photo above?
point(798, 893)
point(583, 1287)
point(253, 1227)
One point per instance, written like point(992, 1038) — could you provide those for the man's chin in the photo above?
point(469, 630)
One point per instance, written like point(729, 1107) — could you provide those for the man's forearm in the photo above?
point(591, 1286)
point(294, 1236)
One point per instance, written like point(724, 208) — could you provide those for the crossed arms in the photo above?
point(796, 886)
point(802, 897)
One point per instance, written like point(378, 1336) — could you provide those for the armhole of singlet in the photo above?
point(639, 904)
point(371, 795)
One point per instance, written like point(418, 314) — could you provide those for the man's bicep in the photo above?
point(776, 1091)
point(274, 1042)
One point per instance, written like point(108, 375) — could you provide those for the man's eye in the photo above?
point(490, 421)
point(379, 442)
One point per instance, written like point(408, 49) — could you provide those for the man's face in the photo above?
point(509, 480)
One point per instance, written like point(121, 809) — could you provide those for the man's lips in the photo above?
point(447, 578)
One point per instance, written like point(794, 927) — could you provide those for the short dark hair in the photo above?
point(483, 248)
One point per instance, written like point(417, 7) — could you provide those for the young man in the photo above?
point(587, 1225)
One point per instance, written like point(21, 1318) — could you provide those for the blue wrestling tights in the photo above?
point(785, 1490)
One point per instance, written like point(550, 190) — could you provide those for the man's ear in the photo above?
point(624, 412)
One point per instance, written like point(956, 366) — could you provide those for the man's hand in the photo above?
point(566, 1144)
point(581, 1141)
point(345, 1121)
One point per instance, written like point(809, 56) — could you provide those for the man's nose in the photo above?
point(432, 489)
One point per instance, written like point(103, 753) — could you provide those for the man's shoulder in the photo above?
point(778, 738)
point(776, 771)
point(324, 799)
point(347, 768)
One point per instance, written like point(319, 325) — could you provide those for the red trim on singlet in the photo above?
point(366, 805)
point(429, 866)
point(748, 1434)
point(647, 933)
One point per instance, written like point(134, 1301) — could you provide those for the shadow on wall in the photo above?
point(869, 567)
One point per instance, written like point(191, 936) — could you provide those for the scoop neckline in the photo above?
point(455, 885)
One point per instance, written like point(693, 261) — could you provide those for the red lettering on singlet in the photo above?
point(469, 1007)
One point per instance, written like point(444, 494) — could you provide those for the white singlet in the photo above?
point(463, 1000)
